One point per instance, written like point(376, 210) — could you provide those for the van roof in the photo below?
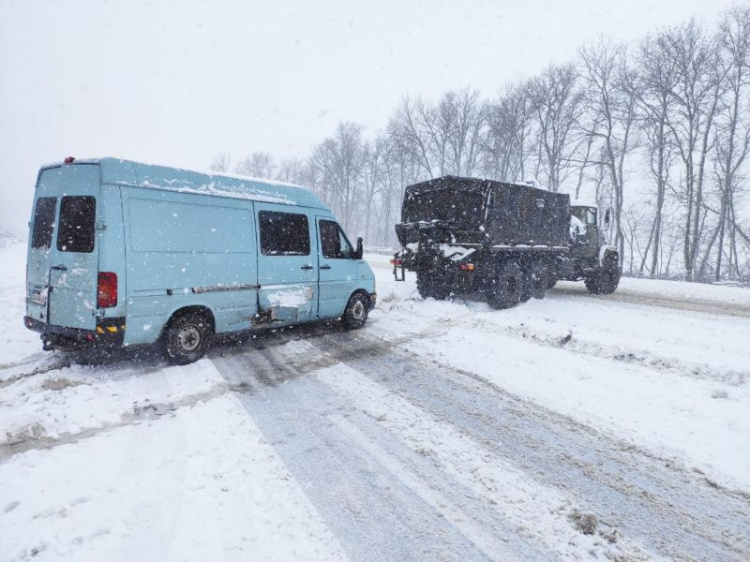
point(152, 176)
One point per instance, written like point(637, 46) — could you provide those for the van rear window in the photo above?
point(44, 222)
point(76, 231)
point(284, 234)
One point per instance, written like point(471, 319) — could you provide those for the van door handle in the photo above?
point(325, 267)
point(308, 266)
point(59, 267)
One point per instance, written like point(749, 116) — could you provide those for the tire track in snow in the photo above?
point(382, 500)
point(665, 301)
point(672, 511)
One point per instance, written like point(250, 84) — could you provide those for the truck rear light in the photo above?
point(397, 262)
point(106, 293)
point(467, 267)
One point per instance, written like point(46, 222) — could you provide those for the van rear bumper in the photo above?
point(109, 332)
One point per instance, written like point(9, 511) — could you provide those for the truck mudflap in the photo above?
point(399, 265)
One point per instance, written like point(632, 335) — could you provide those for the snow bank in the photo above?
point(672, 381)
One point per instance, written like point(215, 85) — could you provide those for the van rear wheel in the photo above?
point(187, 337)
point(355, 314)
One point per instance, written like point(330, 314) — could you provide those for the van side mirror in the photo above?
point(360, 250)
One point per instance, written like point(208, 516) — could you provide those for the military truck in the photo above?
point(507, 242)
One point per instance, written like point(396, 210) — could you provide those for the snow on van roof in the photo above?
point(156, 176)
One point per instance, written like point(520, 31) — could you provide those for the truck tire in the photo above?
point(430, 283)
point(355, 313)
point(507, 286)
point(187, 337)
point(606, 278)
point(538, 280)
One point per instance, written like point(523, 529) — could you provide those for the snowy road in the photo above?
point(575, 427)
point(406, 459)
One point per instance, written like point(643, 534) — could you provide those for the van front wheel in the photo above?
point(355, 314)
point(187, 337)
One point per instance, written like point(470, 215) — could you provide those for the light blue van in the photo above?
point(123, 254)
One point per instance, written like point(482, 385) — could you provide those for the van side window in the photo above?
point(76, 231)
point(44, 222)
point(284, 234)
point(333, 241)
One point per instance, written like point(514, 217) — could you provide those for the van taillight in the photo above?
point(106, 293)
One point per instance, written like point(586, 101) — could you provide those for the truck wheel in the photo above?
point(431, 284)
point(538, 280)
point(355, 314)
point(507, 287)
point(606, 279)
point(187, 337)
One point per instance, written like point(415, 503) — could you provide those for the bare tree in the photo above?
point(732, 137)
point(221, 162)
point(337, 167)
point(506, 143)
point(257, 165)
point(696, 95)
point(605, 77)
point(652, 85)
point(556, 100)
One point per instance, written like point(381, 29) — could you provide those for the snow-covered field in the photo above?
point(573, 427)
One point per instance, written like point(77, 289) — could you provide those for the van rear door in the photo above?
point(63, 255)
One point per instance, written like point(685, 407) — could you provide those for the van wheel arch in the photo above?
point(187, 335)
point(355, 313)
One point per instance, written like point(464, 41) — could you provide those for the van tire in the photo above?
point(355, 314)
point(187, 337)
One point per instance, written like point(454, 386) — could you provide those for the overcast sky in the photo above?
point(175, 82)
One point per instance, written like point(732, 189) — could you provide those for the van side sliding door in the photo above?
point(287, 263)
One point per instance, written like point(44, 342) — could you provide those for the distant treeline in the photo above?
point(658, 131)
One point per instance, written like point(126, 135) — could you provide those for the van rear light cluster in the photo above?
point(467, 267)
point(106, 292)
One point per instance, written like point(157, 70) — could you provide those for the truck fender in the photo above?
point(603, 251)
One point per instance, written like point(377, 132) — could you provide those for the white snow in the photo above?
point(672, 381)
point(577, 228)
point(145, 461)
